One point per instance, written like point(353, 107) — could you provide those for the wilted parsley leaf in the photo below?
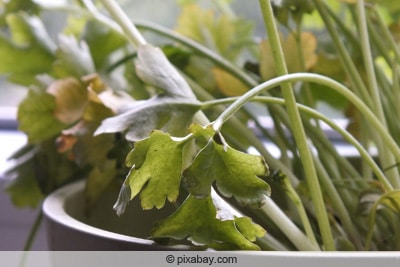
point(163, 113)
point(196, 220)
point(71, 99)
point(154, 68)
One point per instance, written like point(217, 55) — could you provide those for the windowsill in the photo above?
point(10, 138)
point(8, 117)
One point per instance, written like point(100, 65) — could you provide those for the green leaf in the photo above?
point(29, 52)
point(98, 180)
point(102, 41)
point(14, 6)
point(24, 189)
point(73, 58)
point(156, 169)
point(141, 118)
point(236, 173)
point(154, 69)
point(36, 116)
point(196, 220)
point(199, 70)
point(177, 55)
point(38, 170)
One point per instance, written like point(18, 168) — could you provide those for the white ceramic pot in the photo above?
point(70, 227)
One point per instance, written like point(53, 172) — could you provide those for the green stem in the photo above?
point(338, 205)
point(368, 61)
point(287, 226)
point(268, 242)
point(297, 128)
point(31, 237)
point(384, 155)
point(292, 194)
point(384, 30)
point(33, 231)
point(347, 62)
point(132, 33)
point(396, 87)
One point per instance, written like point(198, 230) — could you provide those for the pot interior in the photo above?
point(134, 222)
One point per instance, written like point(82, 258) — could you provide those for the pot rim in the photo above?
point(54, 208)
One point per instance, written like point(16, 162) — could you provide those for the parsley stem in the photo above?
point(298, 128)
point(132, 33)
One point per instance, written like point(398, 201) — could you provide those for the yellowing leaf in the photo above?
point(224, 34)
point(71, 99)
point(94, 83)
point(290, 45)
point(228, 84)
point(65, 143)
point(194, 21)
point(196, 220)
point(395, 31)
point(267, 64)
point(308, 45)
